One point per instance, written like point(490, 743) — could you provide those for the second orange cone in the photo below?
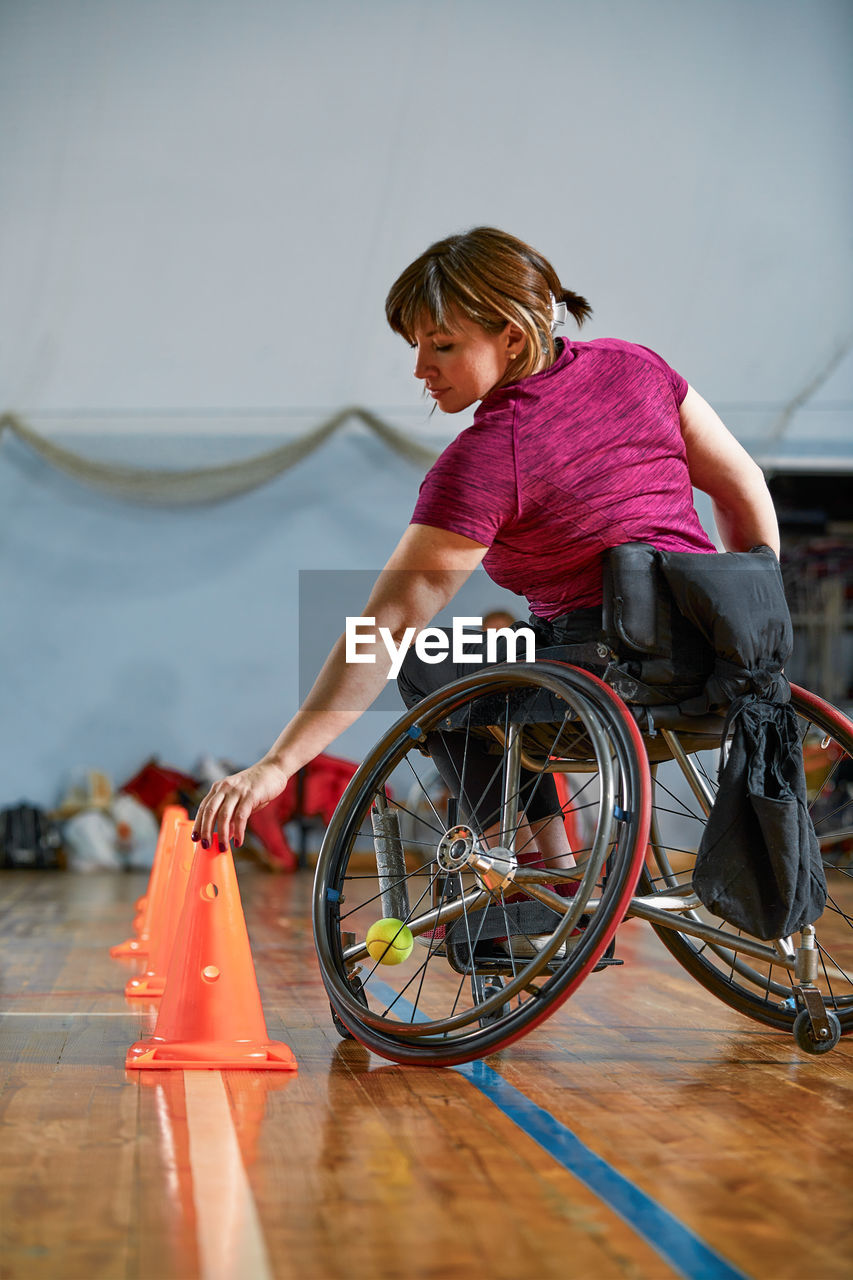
point(152, 982)
point(147, 921)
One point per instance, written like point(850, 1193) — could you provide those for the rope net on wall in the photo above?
point(201, 485)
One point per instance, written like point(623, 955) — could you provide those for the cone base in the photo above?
point(213, 1054)
point(130, 947)
point(150, 988)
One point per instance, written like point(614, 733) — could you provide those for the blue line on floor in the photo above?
point(674, 1241)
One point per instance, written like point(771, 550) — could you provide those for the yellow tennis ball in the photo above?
point(389, 941)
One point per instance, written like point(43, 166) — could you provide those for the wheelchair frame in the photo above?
point(513, 962)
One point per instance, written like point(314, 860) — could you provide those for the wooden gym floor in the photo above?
point(645, 1131)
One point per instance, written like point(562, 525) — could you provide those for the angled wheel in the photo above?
point(477, 915)
point(807, 1040)
point(759, 988)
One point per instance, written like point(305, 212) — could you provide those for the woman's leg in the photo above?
point(474, 775)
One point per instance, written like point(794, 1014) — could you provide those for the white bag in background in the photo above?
point(90, 842)
point(136, 832)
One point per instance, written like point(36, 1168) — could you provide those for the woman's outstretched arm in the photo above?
point(424, 573)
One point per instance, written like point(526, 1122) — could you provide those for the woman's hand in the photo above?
point(231, 801)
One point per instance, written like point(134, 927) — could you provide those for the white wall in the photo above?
point(203, 204)
point(206, 200)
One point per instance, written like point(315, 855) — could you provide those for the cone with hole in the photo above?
point(211, 1014)
point(152, 982)
point(150, 907)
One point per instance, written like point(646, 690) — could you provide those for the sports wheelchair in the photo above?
point(495, 948)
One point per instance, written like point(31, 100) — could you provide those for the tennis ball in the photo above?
point(389, 941)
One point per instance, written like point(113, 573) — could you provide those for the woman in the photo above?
point(575, 447)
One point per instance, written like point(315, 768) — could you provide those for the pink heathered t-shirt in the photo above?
point(558, 467)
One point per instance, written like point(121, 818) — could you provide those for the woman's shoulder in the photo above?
point(609, 347)
point(471, 487)
point(488, 438)
point(633, 358)
point(494, 416)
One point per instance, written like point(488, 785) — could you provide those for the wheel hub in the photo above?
point(458, 848)
point(455, 847)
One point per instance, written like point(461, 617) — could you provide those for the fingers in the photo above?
point(224, 810)
point(234, 812)
point(241, 814)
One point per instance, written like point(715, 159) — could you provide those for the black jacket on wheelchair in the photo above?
point(712, 633)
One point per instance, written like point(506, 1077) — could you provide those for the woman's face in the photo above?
point(462, 364)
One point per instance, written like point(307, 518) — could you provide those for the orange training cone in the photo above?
point(152, 982)
point(211, 1014)
point(171, 814)
point(153, 900)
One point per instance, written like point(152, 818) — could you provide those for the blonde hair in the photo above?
point(491, 278)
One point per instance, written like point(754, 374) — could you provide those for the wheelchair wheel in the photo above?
point(495, 949)
point(761, 989)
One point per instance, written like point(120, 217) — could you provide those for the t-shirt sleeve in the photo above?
point(679, 385)
point(471, 489)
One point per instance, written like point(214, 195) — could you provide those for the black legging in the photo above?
point(483, 774)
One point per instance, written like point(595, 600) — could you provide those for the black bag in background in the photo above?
point(28, 838)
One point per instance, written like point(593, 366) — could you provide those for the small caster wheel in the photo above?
point(805, 1036)
point(358, 991)
point(486, 987)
